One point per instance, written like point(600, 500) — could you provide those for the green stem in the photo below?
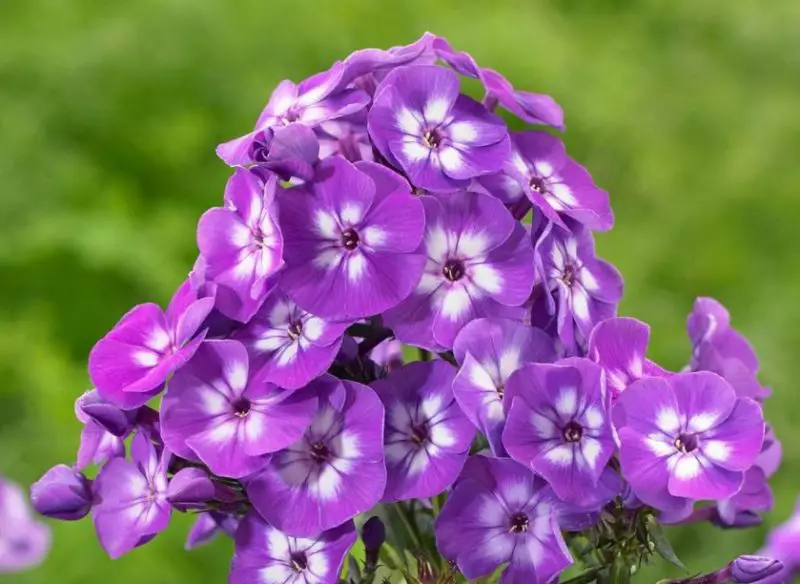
point(409, 524)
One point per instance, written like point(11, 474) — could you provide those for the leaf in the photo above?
point(661, 544)
point(584, 577)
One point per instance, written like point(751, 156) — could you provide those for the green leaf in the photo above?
point(584, 577)
point(661, 544)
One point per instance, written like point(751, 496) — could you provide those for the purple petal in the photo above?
point(736, 442)
point(62, 493)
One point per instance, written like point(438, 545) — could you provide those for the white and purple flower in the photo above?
point(686, 437)
point(480, 264)
point(501, 513)
point(335, 471)
point(558, 425)
point(427, 436)
point(439, 138)
point(216, 411)
point(351, 241)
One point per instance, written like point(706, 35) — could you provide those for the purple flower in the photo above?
point(686, 436)
point(62, 493)
point(540, 170)
point(558, 426)
point(619, 346)
point(587, 288)
point(480, 264)
point(427, 435)
point(131, 498)
point(489, 350)
point(216, 410)
point(783, 543)
point(335, 471)
point(388, 355)
point(24, 542)
point(348, 139)
point(97, 444)
point(190, 488)
point(129, 365)
point(351, 240)
point(287, 345)
point(241, 244)
point(289, 151)
point(742, 508)
point(499, 512)
point(317, 99)
point(439, 138)
point(264, 555)
point(207, 526)
point(718, 348)
point(366, 66)
point(533, 108)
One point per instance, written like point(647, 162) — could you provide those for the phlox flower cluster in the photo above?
point(398, 306)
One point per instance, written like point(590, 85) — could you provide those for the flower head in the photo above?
point(131, 498)
point(686, 437)
point(558, 426)
point(241, 244)
point(427, 436)
point(265, 555)
point(480, 264)
point(335, 471)
point(130, 364)
point(351, 239)
point(439, 138)
point(489, 350)
point(499, 512)
point(216, 410)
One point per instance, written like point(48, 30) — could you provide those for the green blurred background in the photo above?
point(687, 112)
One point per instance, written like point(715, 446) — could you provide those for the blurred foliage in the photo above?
point(687, 112)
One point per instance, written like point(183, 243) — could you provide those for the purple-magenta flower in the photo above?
point(287, 345)
point(752, 569)
point(586, 288)
point(540, 170)
point(265, 555)
point(719, 348)
point(427, 435)
point(489, 350)
point(97, 444)
point(289, 151)
point(241, 244)
point(62, 493)
point(686, 436)
point(129, 365)
point(783, 543)
point(351, 240)
point(335, 471)
point(24, 541)
point(318, 99)
point(619, 346)
point(348, 139)
point(131, 498)
point(499, 512)
point(480, 264)
point(558, 426)
point(218, 411)
point(441, 139)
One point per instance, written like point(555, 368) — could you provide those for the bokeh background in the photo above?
point(687, 112)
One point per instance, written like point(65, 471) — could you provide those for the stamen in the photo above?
point(453, 270)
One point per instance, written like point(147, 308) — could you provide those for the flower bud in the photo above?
point(190, 488)
point(749, 569)
point(62, 493)
point(373, 534)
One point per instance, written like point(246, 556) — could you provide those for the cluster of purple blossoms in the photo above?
point(398, 310)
